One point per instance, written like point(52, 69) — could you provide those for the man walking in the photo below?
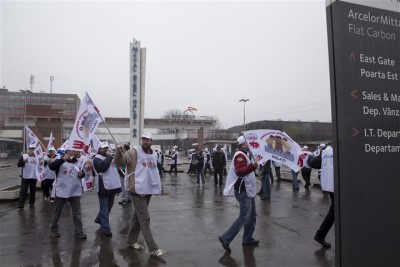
point(28, 162)
point(219, 163)
point(108, 184)
point(144, 181)
point(68, 188)
point(242, 180)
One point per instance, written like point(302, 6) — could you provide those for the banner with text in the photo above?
point(275, 145)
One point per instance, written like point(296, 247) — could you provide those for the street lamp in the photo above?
point(244, 112)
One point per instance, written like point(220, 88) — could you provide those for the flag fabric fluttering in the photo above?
point(50, 144)
point(86, 123)
point(275, 145)
point(31, 139)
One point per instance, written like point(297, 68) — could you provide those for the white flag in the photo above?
point(30, 138)
point(50, 144)
point(86, 123)
point(40, 163)
point(275, 145)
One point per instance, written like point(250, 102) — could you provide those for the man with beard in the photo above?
point(144, 181)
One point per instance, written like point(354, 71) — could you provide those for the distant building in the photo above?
point(42, 112)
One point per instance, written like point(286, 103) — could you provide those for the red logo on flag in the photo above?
point(78, 144)
point(254, 144)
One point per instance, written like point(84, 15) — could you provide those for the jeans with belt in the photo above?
point(246, 219)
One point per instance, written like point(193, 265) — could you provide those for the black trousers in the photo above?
point(173, 166)
point(278, 173)
point(47, 185)
point(207, 167)
point(218, 171)
point(329, 219)
point(25, 184)
point(306, 173)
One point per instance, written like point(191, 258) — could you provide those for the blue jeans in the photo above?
point(199, 173)
point(246, 219)
point(295, 183)
point(106, 204)
point(265, 185)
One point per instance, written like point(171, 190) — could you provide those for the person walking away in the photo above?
point(207, 159)
point(28, 163)
point(108, 185)
point(144, 181)
point(277, 167)
point(327, 185)
point(174, 162)
point(49, 175)
point(198, 162)
point(306, 170)
point(219, 163)
point(68, 188)
point(242, 180)
point(265, 191)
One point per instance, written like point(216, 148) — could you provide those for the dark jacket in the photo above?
point(55, 165)
point(102, 166)
point(218, 159)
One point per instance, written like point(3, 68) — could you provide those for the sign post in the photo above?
point(364, 48)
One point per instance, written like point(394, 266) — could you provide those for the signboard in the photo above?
point(364, 47)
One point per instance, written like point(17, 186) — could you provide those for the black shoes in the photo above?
point(224, 245)
point(322, 242)
point(252, 243)
point(107, 233)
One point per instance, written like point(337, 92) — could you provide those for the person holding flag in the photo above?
point(242, 181)
point(28, 163)
point(68, 188)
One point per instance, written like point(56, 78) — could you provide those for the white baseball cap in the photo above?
point(104, 145)
point(32, 145)
point(240, 140)
point(147, 135)
point(52, 148)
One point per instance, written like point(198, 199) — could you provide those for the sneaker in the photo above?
point(122, 202)
point(224, 245)
point(54, 234)
point(322, 242)
point(81, 235)
point(158, 253)
point(97, 221)
point(20, 208)
point(51, 200)
point(136, 246)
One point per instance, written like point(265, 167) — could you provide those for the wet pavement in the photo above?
point(186, 221)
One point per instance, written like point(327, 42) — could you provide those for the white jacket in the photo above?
point(327, 176)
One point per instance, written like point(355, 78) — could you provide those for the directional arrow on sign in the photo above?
point(355, 131)
point(353, 94)
point(352, 56)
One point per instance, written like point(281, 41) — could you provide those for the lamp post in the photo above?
point(244, 112)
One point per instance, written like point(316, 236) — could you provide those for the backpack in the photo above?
point(315, 162)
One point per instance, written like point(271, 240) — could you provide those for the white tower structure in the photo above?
point(137, 89)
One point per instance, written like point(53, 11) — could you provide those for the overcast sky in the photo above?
point(206, 54)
